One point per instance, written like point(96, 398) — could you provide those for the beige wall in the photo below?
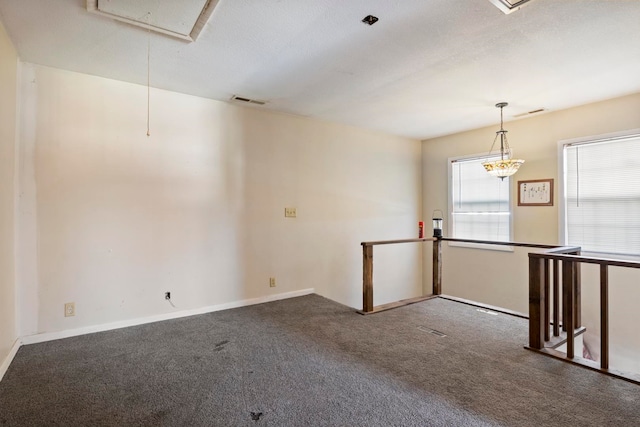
point(111, 219)
point(8, 106)
point(500, 278)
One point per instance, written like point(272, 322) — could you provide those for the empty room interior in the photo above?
point(285, 212)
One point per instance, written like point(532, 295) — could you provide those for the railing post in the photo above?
point(437, 267)
point(536, 303)
point(577, 294)
point(604, 316)
point(556, 298)
point(367, 278)
point(568, 304)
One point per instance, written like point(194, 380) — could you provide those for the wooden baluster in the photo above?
point(604, 316)
point(547, 321)
point(536, 303)
point(568, 301)
point(367, 278)
point(556, 298)
point(577, 292)
point(437, 267)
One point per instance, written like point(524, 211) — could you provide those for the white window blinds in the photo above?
point(480, 208)
point(602, 195)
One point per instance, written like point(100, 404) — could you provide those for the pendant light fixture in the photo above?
point(506, 165)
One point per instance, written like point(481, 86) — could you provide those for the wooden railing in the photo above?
point(367, 274)
point(539, 321)
point(367, 268)
point(544, 317)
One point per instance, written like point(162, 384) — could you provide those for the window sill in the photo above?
point(482, 246)
point(607, 255)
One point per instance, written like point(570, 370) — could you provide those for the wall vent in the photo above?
point(432, 331)
point(247, 100)
point(509, 6)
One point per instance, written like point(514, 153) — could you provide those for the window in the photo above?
point(601, 203)
point(478, 202)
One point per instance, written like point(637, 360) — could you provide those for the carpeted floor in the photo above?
point(311, 362)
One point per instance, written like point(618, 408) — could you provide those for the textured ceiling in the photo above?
point(426, 68)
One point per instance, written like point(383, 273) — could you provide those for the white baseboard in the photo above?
point(7, 361)
point(50, 336)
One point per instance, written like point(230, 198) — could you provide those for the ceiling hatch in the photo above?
point(508, 6)
point(182, 19)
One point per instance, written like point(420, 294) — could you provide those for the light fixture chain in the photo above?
point(506, 166)
point(493, 145)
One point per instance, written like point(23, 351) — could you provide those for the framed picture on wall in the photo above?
point(537, 192)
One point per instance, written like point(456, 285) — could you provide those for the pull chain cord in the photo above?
point(148, 73)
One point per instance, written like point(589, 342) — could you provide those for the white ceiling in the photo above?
point(426, 68)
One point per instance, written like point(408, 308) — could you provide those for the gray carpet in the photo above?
point(311, 362)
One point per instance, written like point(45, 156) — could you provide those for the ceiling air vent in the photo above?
point(528, 113)
point(508, 6)
point(247, 100)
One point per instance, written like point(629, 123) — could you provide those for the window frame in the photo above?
point(499, 248)
point(562, 194)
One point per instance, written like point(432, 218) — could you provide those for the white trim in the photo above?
point(7, 360)
point(601, 137)
point(488, 247)
point(50, 336)
point(16, 201)
point(16, 194)
point(449, 224)
point(506, 6)
point(203, 18)
point(562, 214)
point(498, 248)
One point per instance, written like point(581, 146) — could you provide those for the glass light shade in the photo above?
point(502, 168)
point(437, 227)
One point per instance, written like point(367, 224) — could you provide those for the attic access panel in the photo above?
point(183, 19)
point(508, 6)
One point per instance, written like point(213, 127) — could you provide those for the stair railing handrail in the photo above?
point(539, 296)
point(545, 271)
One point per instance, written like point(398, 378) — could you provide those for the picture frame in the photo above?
point(537, 192)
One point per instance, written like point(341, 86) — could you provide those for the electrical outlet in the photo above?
point(70, 309)
point(290, 212)
point(167, 295)
point(272, 282)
